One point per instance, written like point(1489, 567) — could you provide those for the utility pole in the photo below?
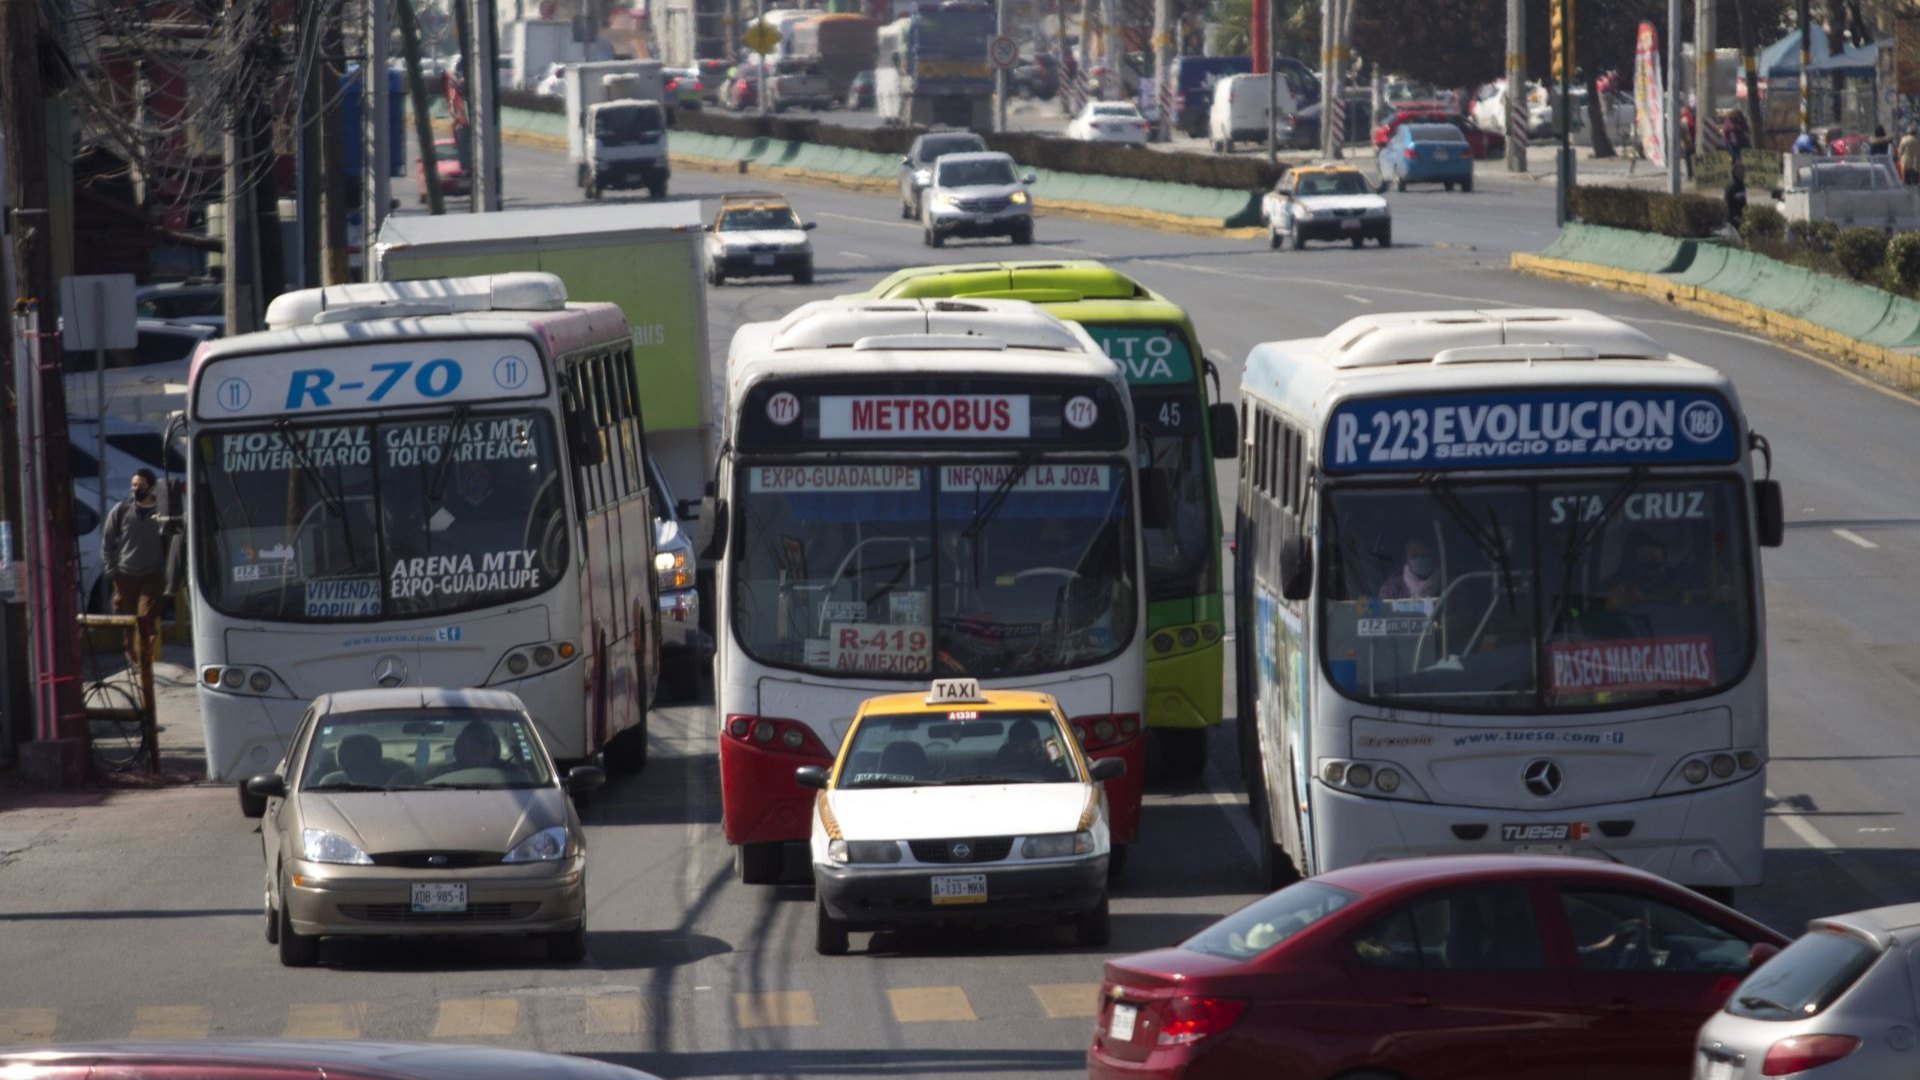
point(422, 116)
point(1516, 86)
point(1260, 32)
point(336, 195)
point(1115, 83)
point(1673, 97)
point(1263, 59)
point(999, 73)
point(1329, 15)
point(481, 91)
point(309, 188)
point(1749, 68)
point(762, 90)
point(1162, 69)
point(375, 108)
point(241, 255)
point(1705, 33)
point(1806, 62)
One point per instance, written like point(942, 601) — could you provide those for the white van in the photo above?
point(1240, 110)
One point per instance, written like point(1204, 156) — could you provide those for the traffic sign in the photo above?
point(1003, 51)
point(760, 37)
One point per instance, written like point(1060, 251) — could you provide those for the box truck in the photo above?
point(591, 84)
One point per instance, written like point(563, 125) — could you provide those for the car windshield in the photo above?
point(1543, 597)
point(976, 173)
point(960, 746)
point(1442, 133)
point(1340, 183)
point(377, 520)
point(1115, 110)
point(399, 749)
point(757, 218)
point(1807, 977)
point(1269, 921)
point(182, 303)
point(618, 127)
point(899, 570)
point(446, 151)
point(934, 146)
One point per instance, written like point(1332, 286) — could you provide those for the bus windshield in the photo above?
point(377, 520)
point(1612, 592)
point(897, 569)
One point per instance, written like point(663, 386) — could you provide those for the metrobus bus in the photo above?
point(911, 490)
point(1499, 590)
point(421, 483)
point(1168, 374)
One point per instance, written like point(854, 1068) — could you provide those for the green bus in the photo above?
point(1154, 342)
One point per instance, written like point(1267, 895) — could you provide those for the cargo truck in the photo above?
point(839, 46)
point(932, 67)
point(591, 84)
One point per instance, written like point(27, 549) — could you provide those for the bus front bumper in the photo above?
point(1184, 689)
point(1711, 837)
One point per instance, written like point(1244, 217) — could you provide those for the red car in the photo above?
point(1524, 967)
point(451, 174)
point(1484, 144)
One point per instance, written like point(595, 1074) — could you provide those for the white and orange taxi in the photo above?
point(960, 806)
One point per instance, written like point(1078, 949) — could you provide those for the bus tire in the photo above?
point(1277, 869)
point(758, 864)
point(1094, 927)
point(829, 933)
point(1183, 751)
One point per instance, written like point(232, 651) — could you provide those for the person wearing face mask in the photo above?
point(1417, 576)
point(1642, 578)
point(133, 549)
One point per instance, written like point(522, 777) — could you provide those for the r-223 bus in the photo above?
point(425, 483)
point(1499, 590)
point(919, 489)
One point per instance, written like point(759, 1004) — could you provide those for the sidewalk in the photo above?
point(183, 747)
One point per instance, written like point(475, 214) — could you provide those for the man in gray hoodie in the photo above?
point(133, 551)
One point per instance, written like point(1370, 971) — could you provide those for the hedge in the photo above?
point(1682, 216)
point(1860, 251)
point(1903, 260)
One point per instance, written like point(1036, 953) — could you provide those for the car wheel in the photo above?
point(658, 191)
point(568, 946)
point(1467, 184)
point(758, 864)
point(1299, 241)
point(1400, 183)
point(296, 950)
point(1023, 234)
point(829, 933)
point(805, 276)
point(715, 277)
point(273, 916)
point(1358, 240)
point(1386, 238)
point(1183, 751)
point(1448, 184)
point(593, 188)
point(1094, 927)
point(906, 211)
point(934, 239)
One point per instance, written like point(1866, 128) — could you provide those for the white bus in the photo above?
point(1499, 590)
point(422, 483)
point(914, 489)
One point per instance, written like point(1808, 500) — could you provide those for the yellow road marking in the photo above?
point(324, 1021)
point(775, 1008)
point(467, 1018)
point(171, 1022)
point(925, 1004)
point(1064, 1000)
point(22, 1027)
point(613, 1015)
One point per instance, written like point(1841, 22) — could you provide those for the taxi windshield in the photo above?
point(758, 218)
point(1332, 183)
point(956, 747)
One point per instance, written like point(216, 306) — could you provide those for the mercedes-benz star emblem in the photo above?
point(390, 671)
point(1542, 777)
point(962, 852)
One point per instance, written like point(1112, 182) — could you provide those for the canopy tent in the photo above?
point(1781, 60)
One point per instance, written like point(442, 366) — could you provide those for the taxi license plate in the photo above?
point(960, 889)
point(1719, 1070)
point(763, 260)
point(449, 896)
point(1350, 224)
point(1120, 1027)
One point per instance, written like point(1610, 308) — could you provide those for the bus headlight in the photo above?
point(242, 679)
point(523, 660)
point(1376, 779)
point(517, 663)
point(1695, 771)
point(1712, 767)
point(542, 655)
point(233, 678)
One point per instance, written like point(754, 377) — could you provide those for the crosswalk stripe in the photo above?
point(324, 1020)
point(927, 1004)
point(171, 1022)
point(774, 1008)
point(1066, 1000)
point(469, 1018)
point(613, 1015)
point(23, 1027)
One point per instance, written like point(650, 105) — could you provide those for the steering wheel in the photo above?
point(1629, 944)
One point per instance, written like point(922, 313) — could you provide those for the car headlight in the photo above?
point(672, 570)
point(319, 845)
point(1303, 214)
point(544, 846)
point(1018, 198)
point(1057, 845)
point(1376, 211)
point(864, 851)
point(945, 202)
point(922, 178)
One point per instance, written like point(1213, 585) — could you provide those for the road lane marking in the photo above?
point(1357, 299)
point(1852, 537)
point(1831, 365)
point(613, 1015)
point(324, 1021)
point(867, 220)
point(171, 1022)
point(1068, 1000)
point(930, 1004)
point(857, 255)
point(1864, 877)
point(473, 1018)
point(774, 1008)
point(1229, 804)
point(1282, 279)
point(22, 1027)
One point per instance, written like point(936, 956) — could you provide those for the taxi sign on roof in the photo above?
point(954, 691)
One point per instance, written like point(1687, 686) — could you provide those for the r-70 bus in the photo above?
point(1167, 374)
point(1499, 590)
point(913, 490)
point(423, 483)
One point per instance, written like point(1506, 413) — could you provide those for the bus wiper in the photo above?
point(984, 514)
point(1487, 540)
point(1580, 541)
point(284, 427)
point(457, 424)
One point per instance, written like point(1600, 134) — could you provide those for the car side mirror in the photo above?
point(585, 779)
point(708, 227)
point(810, 225)
point(1225, 424)
point(713, 528)
point(1028, 179)
point(1296, 569)
point(1759, 953)
point(811, 776)
point(907, 161)
point(1156, 498)
point(687, 509)
point(268, 786)
point(1112, 768)
point(1770, 513)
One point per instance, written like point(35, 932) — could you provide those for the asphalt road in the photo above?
point(137, 913)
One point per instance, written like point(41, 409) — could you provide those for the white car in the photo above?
point(959, 806)
point(758, 236)
point(554, 83)
point(1110, 121)
point(1489, 111)
point(1325, 202)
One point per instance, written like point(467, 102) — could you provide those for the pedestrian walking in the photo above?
point(1739, 138)
point(1686, 138)
point(133, 551)
point(1908, 155)
point(1881, 145)
point(1736, 196)
point(1806, 143)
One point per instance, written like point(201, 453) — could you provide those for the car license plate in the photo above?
point(960, 889)
point(1120, 1027)
point(439, 896)
point(1719, 1070)
point(1350, 224)
point(763, 260)
point(1439, 155)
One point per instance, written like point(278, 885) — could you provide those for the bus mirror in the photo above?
point(811, 776)
point(1225, 423)
point(1771, 511)
point(1296, 569)
point(713, 528)
point(1156, 498)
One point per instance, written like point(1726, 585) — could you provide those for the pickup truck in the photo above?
point(1859, 191)
point(797, 86)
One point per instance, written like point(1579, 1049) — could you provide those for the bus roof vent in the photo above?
point(1509, 354)
point(1515, 335)
point(519, 291)
point(843, 324)
point(368, 312)
point(975, 342)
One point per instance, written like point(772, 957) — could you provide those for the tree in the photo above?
point(1296, 34)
